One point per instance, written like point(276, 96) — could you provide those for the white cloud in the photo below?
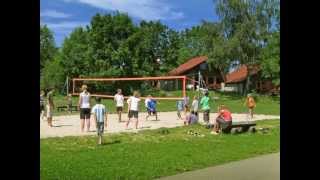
point(54, 14)
point(143, 9)
point(65, 25)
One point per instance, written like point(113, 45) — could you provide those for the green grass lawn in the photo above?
point(265, 104)
point(150, 154)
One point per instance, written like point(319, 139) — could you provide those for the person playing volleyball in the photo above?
point(84, 105)
point(133, 108)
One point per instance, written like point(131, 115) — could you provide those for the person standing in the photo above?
point(251, 104)
point(99, 113)
point(84, 105)
point(133, 108)
point(50, 106)
point(119, 99)
point(205, 106)
point(180, 108)
point(42, 104)
point(152, 108)
point(195, 105)
point(69, 101)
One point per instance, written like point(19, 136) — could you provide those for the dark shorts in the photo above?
point(119, 108)
point(224, 124)
point(133, 114)
point(85, 113)
point(100, 128)
point(41, 108)
point(151, 112)
point(206, 114)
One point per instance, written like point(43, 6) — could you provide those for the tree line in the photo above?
point(248, 32)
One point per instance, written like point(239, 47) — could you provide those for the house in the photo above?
point(236, 80)
point(192, 67)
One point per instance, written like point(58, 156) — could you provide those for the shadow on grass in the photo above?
point(110, 143)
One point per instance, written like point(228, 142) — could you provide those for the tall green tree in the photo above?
point(75, 57)
point(246, 24)
point(47, 46)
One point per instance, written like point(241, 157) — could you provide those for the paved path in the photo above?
point(266, 167)
point(70, 125)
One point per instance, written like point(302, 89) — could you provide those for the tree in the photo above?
point(270, 64)
point(246, 24)
point(75, 58)
point(47, 46)
point(53, 75)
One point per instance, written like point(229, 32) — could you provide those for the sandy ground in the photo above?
point(70, 125)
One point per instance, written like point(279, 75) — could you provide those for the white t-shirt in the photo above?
point(134, 103)
point(146, 102)
point(99, 110)
point(119, 100)
point(195, 105)
point(85, 103)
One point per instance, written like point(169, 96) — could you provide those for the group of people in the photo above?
point(100, 112)
point(223, 119)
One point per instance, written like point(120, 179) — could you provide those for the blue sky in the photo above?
point(62, 16)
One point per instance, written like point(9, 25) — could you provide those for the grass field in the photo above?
point(150, 154)
point(265, 104)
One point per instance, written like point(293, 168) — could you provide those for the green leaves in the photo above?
point(47, 46)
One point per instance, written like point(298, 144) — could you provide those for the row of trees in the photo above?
point(113, 46)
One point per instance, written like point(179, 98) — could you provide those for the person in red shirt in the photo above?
point(223, 120)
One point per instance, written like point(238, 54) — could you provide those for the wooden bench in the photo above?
point(65, 108)
point(238, 127)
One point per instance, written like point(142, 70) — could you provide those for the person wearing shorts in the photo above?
point(151, 108)
point(251, 104)
point(179, 109)
point(69, 101)
point(205, 106)
point(50, 106)
point(133, 106)
point(195, 105)
point(119, 99)
point(99, 113)
point(224, 119)
point(42, 104)
point(84, 105)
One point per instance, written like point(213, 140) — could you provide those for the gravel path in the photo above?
point(70, 125)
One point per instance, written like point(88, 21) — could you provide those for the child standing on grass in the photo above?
point(251, 104)
point(195, 105)
point(205, 106)
point(179, 109)
point(100, 115)
point(50, 106)
point(133, 108)
point(119, 99)
point(42, 104)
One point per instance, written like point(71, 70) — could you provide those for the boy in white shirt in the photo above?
point(99, 113)
point(119, 99)
point(133, 107)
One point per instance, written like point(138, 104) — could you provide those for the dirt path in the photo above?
point(70, 125)
point(264, 167)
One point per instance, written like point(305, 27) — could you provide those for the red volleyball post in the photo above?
point(184, 86)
